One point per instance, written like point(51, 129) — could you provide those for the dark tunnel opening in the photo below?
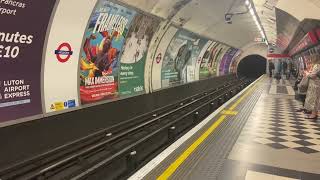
point(252, 66)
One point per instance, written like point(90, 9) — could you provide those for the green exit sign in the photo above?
point(260, 39)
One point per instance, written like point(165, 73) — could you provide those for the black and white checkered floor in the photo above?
point(281, 87)
point(276, 142)
point(275, 123)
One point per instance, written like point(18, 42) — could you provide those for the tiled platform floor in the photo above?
point(276, 139)
point(261, 139)
point(275, 123)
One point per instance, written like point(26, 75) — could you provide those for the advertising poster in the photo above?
point(135, 53)
point(152, 50)
point(62, 54)
point(223, 61)
point(158, 58)
point(226, 61)
point(100, 54)
point(22, 35)
point(182, 52)
point(233, 64)
point(218, 60)
point(207, 60)
point(212, 65)
point(203, 58)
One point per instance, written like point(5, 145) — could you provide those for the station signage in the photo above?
point(308, 40)
point(259, 39)
point(61, 63)
point(63, 52)
point(270, 55)
point(22, 36)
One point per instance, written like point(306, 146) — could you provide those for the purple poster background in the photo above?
point(22, 34)
point(223, 61)
point(229, 58)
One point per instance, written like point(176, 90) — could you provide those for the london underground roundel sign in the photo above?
point(64, 52)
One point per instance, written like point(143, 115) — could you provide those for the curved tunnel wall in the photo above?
point(251, 49)
point(300, 9)
point(99, 53)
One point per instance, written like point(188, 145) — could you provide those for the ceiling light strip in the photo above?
point(256, 19)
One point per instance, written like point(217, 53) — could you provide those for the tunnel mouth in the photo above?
point(252, 66)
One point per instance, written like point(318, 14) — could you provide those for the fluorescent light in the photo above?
point(259, 27)
point(252, 12)
point(255, 18)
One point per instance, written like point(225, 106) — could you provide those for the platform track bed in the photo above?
point(118, 151)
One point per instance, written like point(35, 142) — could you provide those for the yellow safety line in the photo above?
point(175, 165)
point(241, 98)
point(172, 168)
point(230, 113)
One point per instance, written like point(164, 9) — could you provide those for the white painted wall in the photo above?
point(301, 9)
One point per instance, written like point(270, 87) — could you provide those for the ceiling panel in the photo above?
point(304, 27)
point(267, 15)
point(169, 8)
point(207, 17)
point(146, 5)
point(286, 28)
point(316, 2)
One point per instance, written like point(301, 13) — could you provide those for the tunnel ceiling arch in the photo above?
point(194, 15)
point(250, 49)
point(206, 17)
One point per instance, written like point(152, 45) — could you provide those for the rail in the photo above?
point(49, 164)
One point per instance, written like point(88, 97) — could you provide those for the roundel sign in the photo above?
point(159, 58)
point(64, 52)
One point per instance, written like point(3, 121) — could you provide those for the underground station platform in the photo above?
point(159, 89)
point(256, 135)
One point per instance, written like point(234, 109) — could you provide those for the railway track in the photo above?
point(116, 152)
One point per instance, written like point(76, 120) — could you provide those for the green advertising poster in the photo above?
point(135, 53)
point(180, 58)
point(213, 56)
point(206, 59)
point(216, 60)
